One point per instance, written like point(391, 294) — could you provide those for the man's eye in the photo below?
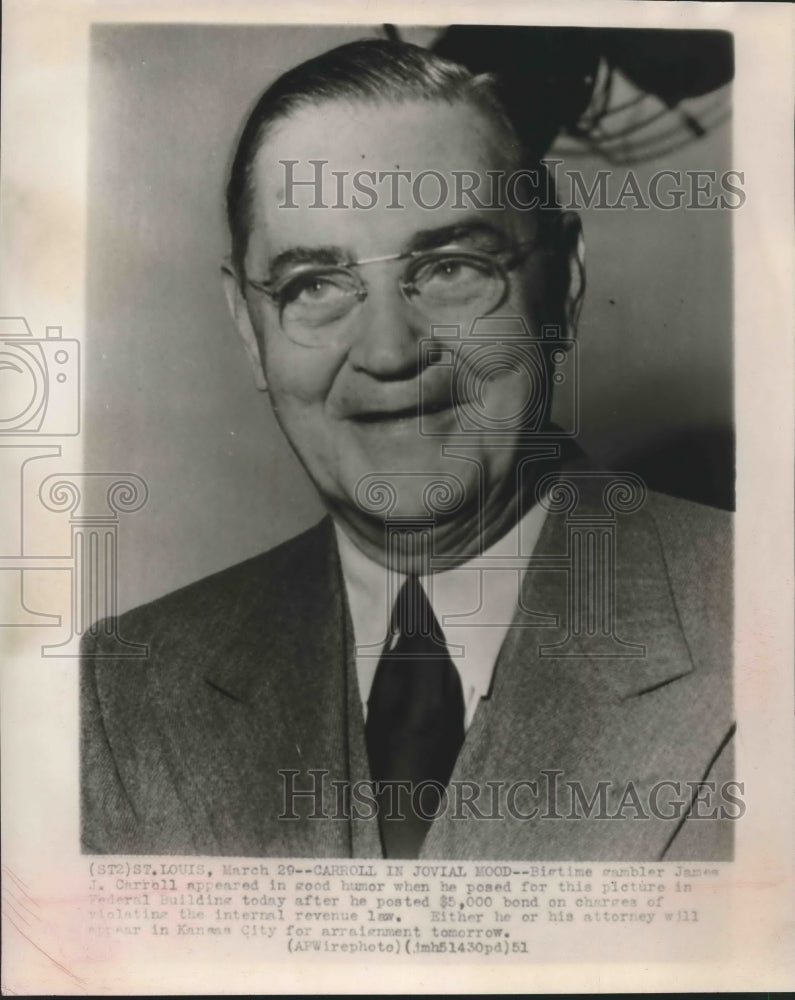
point(452, 271)
point(311, 289)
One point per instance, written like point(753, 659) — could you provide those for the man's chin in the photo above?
point(418, 485)
point(409, 537)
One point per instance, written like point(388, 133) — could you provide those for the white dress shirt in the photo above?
point(474, 606)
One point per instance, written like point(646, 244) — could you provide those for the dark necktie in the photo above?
point(415, 722)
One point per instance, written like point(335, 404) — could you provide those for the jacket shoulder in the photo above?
point(697, 545)
point(179, 627)
point(685, 517)
point(269, 577)
point(697, 542)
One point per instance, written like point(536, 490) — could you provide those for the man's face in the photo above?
point(347, 395)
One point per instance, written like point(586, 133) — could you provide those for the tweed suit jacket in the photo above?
point(251, 673)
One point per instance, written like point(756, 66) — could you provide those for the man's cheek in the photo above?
point(304, 377)
point(529, 304)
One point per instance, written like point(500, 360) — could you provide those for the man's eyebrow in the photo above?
point(485, 234)
point(295, 256)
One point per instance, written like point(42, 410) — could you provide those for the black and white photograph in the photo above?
point(397, 448)
point(510, 634)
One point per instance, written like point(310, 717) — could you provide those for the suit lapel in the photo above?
point(271, 686)
point(585, 719)
point(268, 696)
point(365, 835)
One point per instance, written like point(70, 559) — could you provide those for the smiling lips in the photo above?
point(407, 412)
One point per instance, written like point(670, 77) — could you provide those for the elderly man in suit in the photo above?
point(485, 650)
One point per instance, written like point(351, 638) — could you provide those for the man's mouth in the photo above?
point(404, 413)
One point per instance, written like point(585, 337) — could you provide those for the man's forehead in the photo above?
point(366, 176)
point(356, 136)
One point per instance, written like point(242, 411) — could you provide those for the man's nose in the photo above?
point(387, 331)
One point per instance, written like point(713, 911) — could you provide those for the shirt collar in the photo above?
point(474, 605)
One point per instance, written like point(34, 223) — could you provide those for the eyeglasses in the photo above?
point(446, 285)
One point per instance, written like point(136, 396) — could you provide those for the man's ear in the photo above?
point(239, 311)
point(573, 248)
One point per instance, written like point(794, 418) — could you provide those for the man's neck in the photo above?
point(406, 547)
